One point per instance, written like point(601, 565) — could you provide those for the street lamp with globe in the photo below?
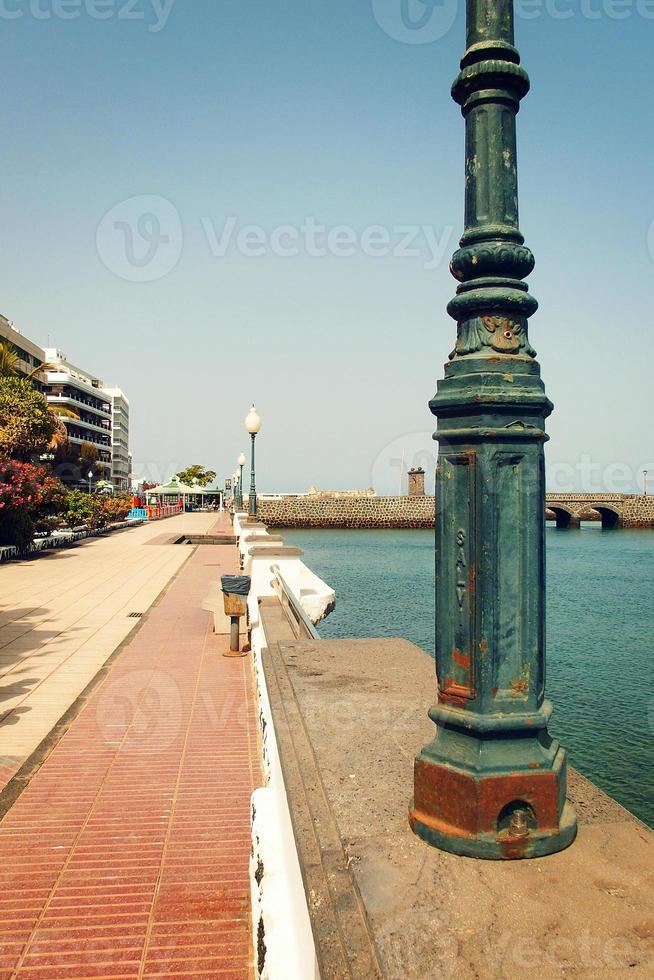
point(252, 425)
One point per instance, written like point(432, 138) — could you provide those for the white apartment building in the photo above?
point(103, 413)
point(121, 459)
point(73, 388)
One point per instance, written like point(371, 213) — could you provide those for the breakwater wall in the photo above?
point(639, 512)
point(344, 512)
point(350, 511)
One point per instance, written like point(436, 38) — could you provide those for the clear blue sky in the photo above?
point(271, 113)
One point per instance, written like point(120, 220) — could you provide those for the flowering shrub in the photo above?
point(20, 483)
point(33, 500)
point(26, 493)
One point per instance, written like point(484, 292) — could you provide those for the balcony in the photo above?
point(88, 437)
point(63, 391)
point(68, 398)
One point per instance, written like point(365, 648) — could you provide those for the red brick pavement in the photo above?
point(127, 854)
point(8, 771)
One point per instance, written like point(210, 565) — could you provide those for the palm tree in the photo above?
point(60, 414)
point(60, 434)
point(8, 359)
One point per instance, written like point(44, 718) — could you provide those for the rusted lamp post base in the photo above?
point(511, 806)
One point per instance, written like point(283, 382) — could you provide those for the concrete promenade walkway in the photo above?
point(63, 614)
point(127, 854)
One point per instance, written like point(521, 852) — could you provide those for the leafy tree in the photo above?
point(117, 506)
point(66, 462)
point(9, 358)
point(84, 508)
point(196, 472)
point(27, 425)
point(88, 454)
point(51, 507)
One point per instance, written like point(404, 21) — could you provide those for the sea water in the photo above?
point(600, 633)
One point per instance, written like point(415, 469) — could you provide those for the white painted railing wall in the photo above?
point(278, 896)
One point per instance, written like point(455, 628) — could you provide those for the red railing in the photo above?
point(159, 511)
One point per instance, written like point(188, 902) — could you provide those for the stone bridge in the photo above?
point(613, 509)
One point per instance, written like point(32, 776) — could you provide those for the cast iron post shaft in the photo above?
point(492, 784)
point(252, 500)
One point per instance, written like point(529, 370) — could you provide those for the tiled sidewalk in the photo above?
point(127, 854)
point(63, 614)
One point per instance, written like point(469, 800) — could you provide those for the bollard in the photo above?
point(234, 633)
point(235, 592)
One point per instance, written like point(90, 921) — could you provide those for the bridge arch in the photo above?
point(611, 516)
point(564, 516)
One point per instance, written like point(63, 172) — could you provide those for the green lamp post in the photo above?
point(252, 425)
point(241, 463)
point(492, 784)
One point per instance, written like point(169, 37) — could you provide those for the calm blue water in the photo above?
point(600, 633)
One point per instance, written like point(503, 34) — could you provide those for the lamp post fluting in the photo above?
point(492, 784)
point(252, 425)
point(241, 463)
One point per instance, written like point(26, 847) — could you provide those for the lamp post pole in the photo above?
point(90, 479)
point(252, 500)
point(252, 425)
point(492, 784)
point(644, 483)
point(241, 463)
